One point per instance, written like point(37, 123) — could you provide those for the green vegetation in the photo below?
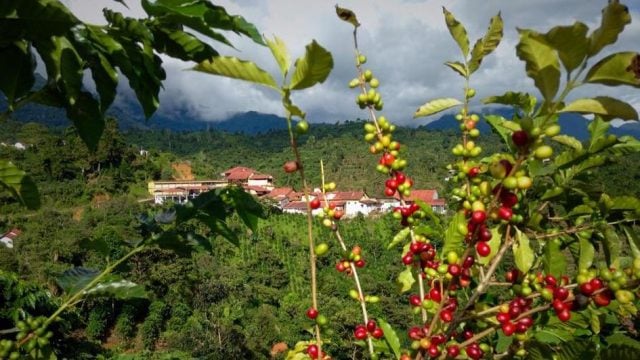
point(534, 257)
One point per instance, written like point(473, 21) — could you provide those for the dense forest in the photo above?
point(246, 295)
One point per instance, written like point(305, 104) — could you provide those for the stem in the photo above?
point(423, 311)
point(354, 271)
point(485, 282)
point(363, 304)
point(312, 254)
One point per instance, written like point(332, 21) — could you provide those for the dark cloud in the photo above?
point(406, 42)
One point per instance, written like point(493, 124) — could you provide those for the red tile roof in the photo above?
point(346, 195)
point(296, 205)
point(280, 192)
point(257, 189)
point(428, 196)
point(12, 234)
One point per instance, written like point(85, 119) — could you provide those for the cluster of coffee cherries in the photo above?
point(369, 329)
point(408, 214)
point(398, 182)
point(380, 137)
point(559, 295)
point(355, 257)
point(371, 97)
point(531, 139)
point(434, 345)
point(604, 284)
point(469, 123)
point(510, 318)
point(34, 334)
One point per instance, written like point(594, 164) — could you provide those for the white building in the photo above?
point(8, 238)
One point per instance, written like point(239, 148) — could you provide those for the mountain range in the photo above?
point(130, 116)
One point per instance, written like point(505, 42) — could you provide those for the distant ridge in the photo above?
point(130, 116)
point(572, 124)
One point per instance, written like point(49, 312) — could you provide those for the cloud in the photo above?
point(406, 42)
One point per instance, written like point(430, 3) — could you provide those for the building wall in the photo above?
point(6, 241)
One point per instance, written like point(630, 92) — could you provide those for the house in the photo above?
point(298, 207)
point(8, 238)
point(246, 177)
point(282, 196)
point(352, 202)
point(430, 197)
point(180, 191)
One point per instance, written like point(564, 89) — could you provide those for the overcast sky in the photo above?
point(406, 42)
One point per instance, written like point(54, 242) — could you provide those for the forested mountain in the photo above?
point(196, 305)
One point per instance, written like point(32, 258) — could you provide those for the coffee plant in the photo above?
point(532, 261)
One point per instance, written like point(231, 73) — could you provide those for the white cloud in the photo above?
point(406, 43)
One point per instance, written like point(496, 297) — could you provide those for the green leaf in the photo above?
point(347, 15)
point(595, 322)
point(537, 350)
point(181, 45)
point(524, 101)
point(502, 127)
point(503, 342)
point(487, 44)
point(458, 67)
point(576, 349)
point(74, 279)
point(436, 106)
point(626, 145)
point(619, 352)
point(314, 67)
point(390, 336)
point(19, 184)
point(522, 252)
point(280, 53)
point(554, 260)
point(405, 279)
point(87, 118)
point(106, 79)
point(570, 42)
point(399, 237)
point(64, 66)
point(615, 17)
point(201, 16)
point(115, 287)
point(246, 206)
point(457, 31)
point(569, 141)
point(633, 239)
point(38, 20)
point(541, 63)
point(621, 339)
point(587, 253)
point(19, 64)
point(615, 69)
point(626, 203)
point(552, 336)
point(453, 239)
point(494, 244)
point(551, 193)
point(612, 246)
point(607, 107)
point(235, 68)
point(597, 129)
